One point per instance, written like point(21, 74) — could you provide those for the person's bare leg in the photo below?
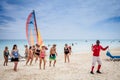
point(65, 57)
point(54, 63)
point(49, 63)
point(31, 61)
point(44, 62)
point(68, 58)
point(36, 59)
point(40, 63)
point(6, 61)
point(15, 66)
point(27, 61)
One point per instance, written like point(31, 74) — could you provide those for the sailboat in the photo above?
point(32, 33)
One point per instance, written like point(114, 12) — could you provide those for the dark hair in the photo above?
point(33, 45)
point(14, 46)
point(30, 47)
point(37, 45)
point(6, 47)
point(97, 41)
point(54, 44)
point(66, 45)
point(43, 46)
point(26, 46)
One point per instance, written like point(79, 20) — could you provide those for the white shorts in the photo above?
point(96, 59)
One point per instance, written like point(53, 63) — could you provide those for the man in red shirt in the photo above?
point(96, 52)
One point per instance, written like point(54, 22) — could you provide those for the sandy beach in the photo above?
point(78, 69)
point(46, 28)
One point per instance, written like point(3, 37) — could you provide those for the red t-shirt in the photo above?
point(96, 49)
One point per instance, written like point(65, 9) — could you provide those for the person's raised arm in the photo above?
point(104, 48)
point(92, 47)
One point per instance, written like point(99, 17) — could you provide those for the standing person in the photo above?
point(66, 53)
point(96, 53)
point(53, 54)
point(42, 57)
point(30, 56)
point(70, 49)
point(15, 56)
point(26, 51)
point(6, 54)
point(37, 52)
point(33, 49)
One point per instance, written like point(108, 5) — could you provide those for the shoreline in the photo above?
point(78, 46)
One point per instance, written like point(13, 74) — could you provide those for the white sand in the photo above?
point(77, 69)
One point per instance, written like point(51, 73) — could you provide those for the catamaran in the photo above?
point(32, 32)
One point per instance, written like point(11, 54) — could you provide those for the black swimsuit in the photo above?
point(66, 50)
point(6, 54)
point(37, 52)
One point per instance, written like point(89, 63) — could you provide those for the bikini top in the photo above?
point(37, 50)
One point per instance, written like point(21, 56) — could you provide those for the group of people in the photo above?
point(39, 52)
point(14, 56)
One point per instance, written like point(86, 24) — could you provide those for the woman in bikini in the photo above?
point(67, 52)
point(37, 52)
point(26, 51)
point(30, 56)
point(6, 54)
point(42, 57)
point(33, 49)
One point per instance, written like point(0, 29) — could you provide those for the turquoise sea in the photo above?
point(79, 46)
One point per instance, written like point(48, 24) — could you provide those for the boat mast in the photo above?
point(35, 25)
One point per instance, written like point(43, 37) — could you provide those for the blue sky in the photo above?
point(62, 19)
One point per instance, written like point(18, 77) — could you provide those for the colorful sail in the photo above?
point(39, 38)
point(32, 33)
point(31, 38)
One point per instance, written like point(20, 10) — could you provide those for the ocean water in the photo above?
point(78, 47)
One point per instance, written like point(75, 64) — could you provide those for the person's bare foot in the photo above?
point(15, 70)
point(53, 65)
point(44, 68)
point(40, 67)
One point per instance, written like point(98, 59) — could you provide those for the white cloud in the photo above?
point(66, 18)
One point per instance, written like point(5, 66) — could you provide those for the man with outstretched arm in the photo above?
point(96, 56)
